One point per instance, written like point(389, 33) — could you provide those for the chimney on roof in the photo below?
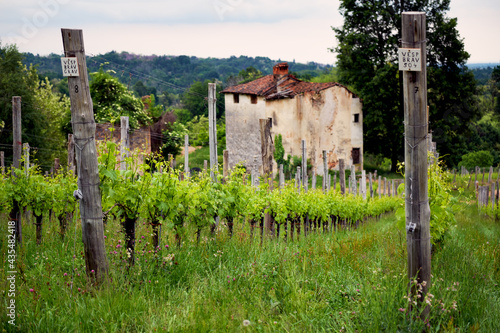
point(280, 69)
point(280, 72)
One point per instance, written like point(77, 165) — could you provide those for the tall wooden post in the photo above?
point(304, 165)
point(267, 149)
point(16, 158)
point(212, 129)
point(2, 162)
point(186, 155)
point(370, 181)
point(379, 187)
point(71, 154)
point(82, 118)
point(416, 129)
point(342, 176)
point(124, 144)
point(281, 177)
point(325, 172)
point(362, 185)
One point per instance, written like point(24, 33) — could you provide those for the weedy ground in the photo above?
point(346, 281)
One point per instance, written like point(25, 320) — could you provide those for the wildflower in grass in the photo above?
point(166, 246)
point(32, 290)
point(65, 274)
point(246, 322)
point(92, 271)
point(402, 310)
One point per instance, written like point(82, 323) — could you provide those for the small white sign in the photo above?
point(410, 59)
point(70, 66)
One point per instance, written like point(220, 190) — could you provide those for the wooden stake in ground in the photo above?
point(16, 158)
point(186, 155)
point(124, 144)
point(325, 172)
point(304, 165)
point(82, 119)
point(416, 129)
point(212, 129)
point(342, 176)
point(267, 149)
point(2, 162)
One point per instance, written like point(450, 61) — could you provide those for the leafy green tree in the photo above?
point(112, 99)
point(41, 109)
point(495, 78)
point(173, 139)
point(482, 159)
point(194, 99)
point(367, 63)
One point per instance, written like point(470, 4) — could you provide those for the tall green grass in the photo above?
point(347, 281)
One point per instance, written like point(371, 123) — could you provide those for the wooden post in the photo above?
point(298, 177)
point(342, 176)
point(267, 149)
point(313, 181)
point(82, 118)
point(379, 186)
point(124, 144)
point(325, 172)
point(493, 197)
point(370, 180)
point(304, 165)
point(71, 154)
point(281, 177)
point(416, 129)
point(490, 175)
point(16, 158)
point(57, 165)
point(2, 162)
point(353, 181)
point(212, 130)
point(186, 155)
point(205, 165)
point(362, 185)
point(225, 163)
point(335, 182)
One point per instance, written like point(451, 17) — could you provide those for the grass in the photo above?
point(347, 281)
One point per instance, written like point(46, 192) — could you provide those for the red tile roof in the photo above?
point(290, 86)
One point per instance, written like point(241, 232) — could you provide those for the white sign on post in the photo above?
point(70, 66)
point(410, 59)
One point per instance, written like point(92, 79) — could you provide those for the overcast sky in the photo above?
point(288, 30)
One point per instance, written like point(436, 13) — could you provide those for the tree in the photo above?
point(367, 63)
point(41, 111)
point(495, 83)
point(111, 100)
point(194, 99)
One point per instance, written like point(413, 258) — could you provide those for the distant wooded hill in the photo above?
point(171, 73)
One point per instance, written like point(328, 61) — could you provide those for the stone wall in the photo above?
point(139, 139)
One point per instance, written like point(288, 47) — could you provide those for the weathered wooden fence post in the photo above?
point(16, 160)
point(304, 165)
point(325, 172)
point(416, 129)
point(212, 129)
point(82, 118)
point(2, 161)
point(370, 180)
point(186, 155)
point(124, 142)
point(281, 177)
point(379, 186)
point(362, 186)
point(267, 149)
point(342, 176)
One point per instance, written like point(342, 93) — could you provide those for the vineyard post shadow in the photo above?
point(83, 124)
point(417, 209)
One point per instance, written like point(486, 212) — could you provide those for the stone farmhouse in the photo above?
point(326, 115)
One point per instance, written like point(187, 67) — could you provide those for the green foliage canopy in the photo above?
point(367, 63)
